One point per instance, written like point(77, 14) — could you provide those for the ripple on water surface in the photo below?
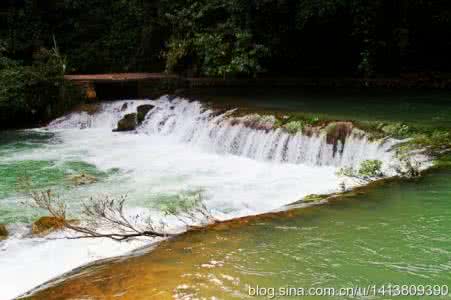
point(398, 233)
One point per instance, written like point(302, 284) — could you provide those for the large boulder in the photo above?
point(142, 111)
point(48, 224)
point(127, 123)
point(3, 232)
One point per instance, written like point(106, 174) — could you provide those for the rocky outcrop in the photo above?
point(314, 198)
point(142, 112)
point(255, 121)
point(3, 232)
point(82, 179)
point(338, 132)
point(47, 224)
point(127, 123)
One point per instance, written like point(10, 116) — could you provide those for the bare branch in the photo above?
point(105, 217)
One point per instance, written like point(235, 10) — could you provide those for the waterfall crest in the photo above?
point(193, 123)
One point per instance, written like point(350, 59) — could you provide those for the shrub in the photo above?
point(367, 169)
point(370, 168)
point(294, 127)
point(396, 130)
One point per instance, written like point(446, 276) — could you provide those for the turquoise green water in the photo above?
point(396, 234)
point(19, 173)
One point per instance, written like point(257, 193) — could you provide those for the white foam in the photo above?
point(28, 262)
point(181, 147)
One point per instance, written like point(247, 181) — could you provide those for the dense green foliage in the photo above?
point(212, 37)
point(370, 168)
point(218, 38)
point(234, 37)
point(32, 93)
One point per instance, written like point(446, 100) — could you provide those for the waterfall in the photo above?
point(193, 123)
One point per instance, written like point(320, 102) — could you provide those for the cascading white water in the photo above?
point(190, 122)
point(241, 165)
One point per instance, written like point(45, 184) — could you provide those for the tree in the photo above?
point(212, 38)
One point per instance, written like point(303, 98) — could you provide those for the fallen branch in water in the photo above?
point(105, 217)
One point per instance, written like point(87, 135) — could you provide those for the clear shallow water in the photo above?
point(397, 233)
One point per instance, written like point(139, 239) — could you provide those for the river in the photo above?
point(183, 149)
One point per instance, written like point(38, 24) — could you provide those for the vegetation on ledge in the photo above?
point(368, 169)
point(31, 94)
point(433, 142)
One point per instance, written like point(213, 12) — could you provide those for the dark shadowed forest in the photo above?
point(41, 40)
point(216, 37)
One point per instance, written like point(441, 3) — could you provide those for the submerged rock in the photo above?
point(3, 232)
point(83, 179)
point(127, 123)
point(142, 112)
point(314, 198)
point(47, 224)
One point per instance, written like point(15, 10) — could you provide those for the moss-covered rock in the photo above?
point(127, 123)
point(3, 232)
point(255, 121)
point(314, 198)
point(338, 131)
point(48, 224)
point(142, 112)
point(45, 225)
point(82, 179)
